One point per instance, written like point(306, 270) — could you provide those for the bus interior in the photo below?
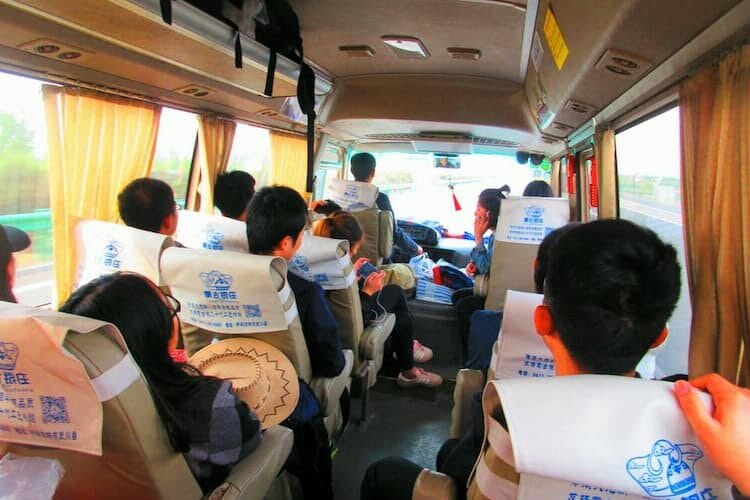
point(450, 96)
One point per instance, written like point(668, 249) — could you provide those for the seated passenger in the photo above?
point(11, 240)
point(276, 218)
point(724, 436)
point(610, 288)
point(363, 170)
point(485, 219)
point(233, 192)
point(148, 204)
point(204, 419)
point(538, 188)
point(377, 299)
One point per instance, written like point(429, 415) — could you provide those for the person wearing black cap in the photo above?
point(11, 240)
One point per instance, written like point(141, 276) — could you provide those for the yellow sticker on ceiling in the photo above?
point(557, 46)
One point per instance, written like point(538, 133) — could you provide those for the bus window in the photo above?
point(178, 132)
point(399, 175)
point(648, 177)
point(330, 165)
point(251, 153)
point(24, 198)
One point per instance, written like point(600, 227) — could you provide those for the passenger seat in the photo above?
point(137, 459)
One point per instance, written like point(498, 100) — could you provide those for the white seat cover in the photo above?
point(211, 232)
point(46, 396)
point(325, 261)
point(604, 436)
point(104, 247)
point(523, 353)
point(231, 294)
point(529, 219)
point(351, 195)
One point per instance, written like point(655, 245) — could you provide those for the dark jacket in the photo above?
point(318, 326)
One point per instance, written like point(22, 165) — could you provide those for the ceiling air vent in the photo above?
point(268, 113)
point(446, 137)
point(357, 50)
point(194, 91)
point(579, 107)
point(561, 127)
point(622, 65)
point(549, 140)
point(53, 49)
point(465, 54)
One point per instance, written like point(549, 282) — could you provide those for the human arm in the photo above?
point(234, 430)
point(400, 238)
point(481, 256)
point(725, 435)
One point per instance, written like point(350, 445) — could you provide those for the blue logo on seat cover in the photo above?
point(8, 355)
point(213, 240)
point(218, 285)
point(110, 252)
point(667, 470)
point(534, 214)
point(300, 263)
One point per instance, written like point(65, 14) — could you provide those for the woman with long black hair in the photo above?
point(204, 419)
point(11, 240)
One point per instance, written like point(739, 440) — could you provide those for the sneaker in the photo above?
point(422, 354)
point(423, 379)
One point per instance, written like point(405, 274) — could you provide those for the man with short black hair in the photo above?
point(363, 170)
point(233, 192)
point(276, 218)
point(609, 289)
point(148, 204)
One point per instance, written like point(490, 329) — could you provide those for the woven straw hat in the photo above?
point(261, 375)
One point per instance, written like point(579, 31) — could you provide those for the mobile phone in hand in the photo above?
point(367, 269)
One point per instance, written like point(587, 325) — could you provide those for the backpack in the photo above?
point(274, 24)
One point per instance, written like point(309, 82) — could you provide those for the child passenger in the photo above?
point(377, 299)
point(610, 288)
point(204, 419)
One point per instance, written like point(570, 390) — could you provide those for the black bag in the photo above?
point(274, 24)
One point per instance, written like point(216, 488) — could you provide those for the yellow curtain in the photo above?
point(604, 151)
point(97, 144)
point(289, 160)
point(715, 126)
point(215, 137)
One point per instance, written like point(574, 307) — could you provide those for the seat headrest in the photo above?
point(48, 399)
point(351, 195)
point(528, 220)
point(523, 353)
point(622, 435)
point(211, 232)
point(325, 261)
point(238, 293)
point(104, 247)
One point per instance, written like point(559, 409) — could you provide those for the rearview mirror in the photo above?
point(447, 162)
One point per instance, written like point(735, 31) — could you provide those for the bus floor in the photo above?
point(412, 423)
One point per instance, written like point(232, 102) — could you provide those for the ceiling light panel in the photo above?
point(406, 47)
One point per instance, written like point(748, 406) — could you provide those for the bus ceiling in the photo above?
point(522, 73)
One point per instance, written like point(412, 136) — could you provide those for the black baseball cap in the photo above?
point(13, 240)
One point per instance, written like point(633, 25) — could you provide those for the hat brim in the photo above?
point(17, 240)
point(261, 375)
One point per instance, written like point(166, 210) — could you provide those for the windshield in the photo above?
point(420, 192)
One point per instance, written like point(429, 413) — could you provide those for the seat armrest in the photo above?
point(372, 341)
point(467, 383)
point(329, 390)
point(251, 478)
point(431, 485)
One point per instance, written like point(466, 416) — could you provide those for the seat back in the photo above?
point(378, 228)
point(326, 261)
point(238, 294)
point(211, 232)
point(350, 195)
point(104, 247)
point(522, 225)
point(137, 460)
point(653, 453)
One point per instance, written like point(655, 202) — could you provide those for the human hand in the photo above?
point(420, 250)
point(360, 262)
point(725, 435)
point(481, 225)
point(471, 268)
point(373, 283)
